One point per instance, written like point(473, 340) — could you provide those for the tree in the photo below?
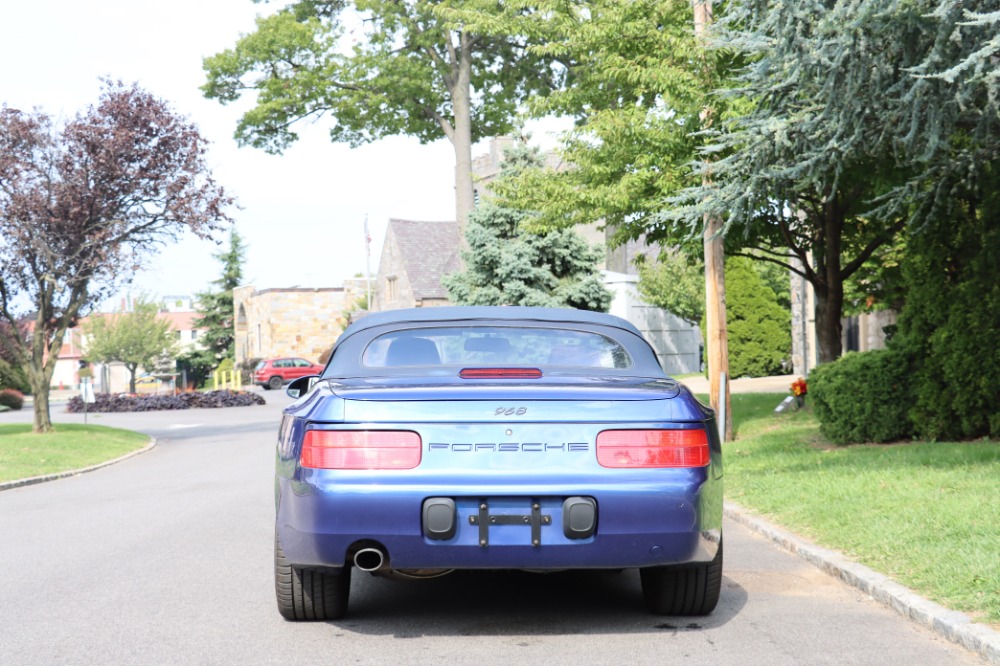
point(216, 314)
point(82, 205)
point(640, 86)
point(675, 282)
point(139, 338)
point(404, 69)
point(758, 319)
point(11, 374)
point(508, 265)
point(216, 307)
point(759, 329)
point(867, 117)
point(637, 82)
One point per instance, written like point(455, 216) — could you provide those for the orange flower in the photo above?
point(799, 387)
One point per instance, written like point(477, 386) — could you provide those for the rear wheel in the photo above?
point(274, 382)
point(687, 589)
point(305, 594)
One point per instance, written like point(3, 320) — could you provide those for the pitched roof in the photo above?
point(429, 251)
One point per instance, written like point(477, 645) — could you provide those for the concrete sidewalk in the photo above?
point(778, 384)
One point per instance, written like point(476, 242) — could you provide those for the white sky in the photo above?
point(302, 213)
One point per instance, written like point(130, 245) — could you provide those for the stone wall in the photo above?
point(291, 322)
point(676, 342)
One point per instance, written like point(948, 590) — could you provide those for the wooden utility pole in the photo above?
point(717, 350)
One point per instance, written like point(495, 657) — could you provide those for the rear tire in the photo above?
point(306, 594)
point(274, 382)
point(687, 589)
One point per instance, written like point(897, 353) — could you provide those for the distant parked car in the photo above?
point(272, 373)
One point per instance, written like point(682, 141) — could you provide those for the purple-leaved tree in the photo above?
point(82, 203)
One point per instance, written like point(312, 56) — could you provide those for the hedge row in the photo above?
point(127, 402)
point(940, 377)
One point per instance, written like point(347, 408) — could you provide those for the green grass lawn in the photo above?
point(24, 454)
point(925, 514)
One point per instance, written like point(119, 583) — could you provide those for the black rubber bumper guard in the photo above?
point(579, 519)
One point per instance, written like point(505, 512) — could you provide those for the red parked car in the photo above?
point(272, 373)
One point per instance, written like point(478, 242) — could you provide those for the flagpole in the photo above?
point(368, 263)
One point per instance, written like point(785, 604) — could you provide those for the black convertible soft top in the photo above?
point(346, 360)
point(459, 313)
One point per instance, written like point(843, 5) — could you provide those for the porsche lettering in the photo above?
point(510, 447)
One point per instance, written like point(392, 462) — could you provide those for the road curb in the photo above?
point(19, 483)
point(952, 625)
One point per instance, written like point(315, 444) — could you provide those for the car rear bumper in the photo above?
point(322, 520)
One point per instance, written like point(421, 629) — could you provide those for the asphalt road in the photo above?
point(166, 558)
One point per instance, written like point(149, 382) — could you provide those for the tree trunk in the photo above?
point(131, 376)
point(829, 285)
point(829, 307)
point(462, 140)
point(40, 400)
point(40, 371)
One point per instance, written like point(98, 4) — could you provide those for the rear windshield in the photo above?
point(483, 346)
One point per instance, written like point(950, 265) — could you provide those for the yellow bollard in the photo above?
point(215, 380)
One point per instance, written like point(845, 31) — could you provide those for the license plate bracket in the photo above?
point(536, 519)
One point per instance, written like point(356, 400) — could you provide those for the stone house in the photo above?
point(296, 321)
point(415, 256)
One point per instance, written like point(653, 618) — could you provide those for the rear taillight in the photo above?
point(360, 449)
point(653, 448)
point(500, 373)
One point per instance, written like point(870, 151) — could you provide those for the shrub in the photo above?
point(12, 398)
point(759, 328)
point(196, 366)
point(226, 365)
point(951, 323)
point(13, 377)
point(863, 397)
point(127, 402)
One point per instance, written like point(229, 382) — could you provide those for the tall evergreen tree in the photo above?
point(215, 307)
point(508, 265)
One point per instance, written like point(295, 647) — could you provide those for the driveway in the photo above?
point(166, 558)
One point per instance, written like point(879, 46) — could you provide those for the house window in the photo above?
point(391, 289)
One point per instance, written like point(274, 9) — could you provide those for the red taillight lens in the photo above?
point(653, 448)
point(500, 373)
point(360, 449)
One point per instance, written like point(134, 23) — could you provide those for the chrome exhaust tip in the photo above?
point(370, 559)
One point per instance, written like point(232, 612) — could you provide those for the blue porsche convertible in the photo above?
point(495, 438)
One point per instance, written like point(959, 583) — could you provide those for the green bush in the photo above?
point(13, 377)
point(226, 365)
point(196, 366)
point(863, 397)
point(11, 398)
point(951, 323)
point(758, 327)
